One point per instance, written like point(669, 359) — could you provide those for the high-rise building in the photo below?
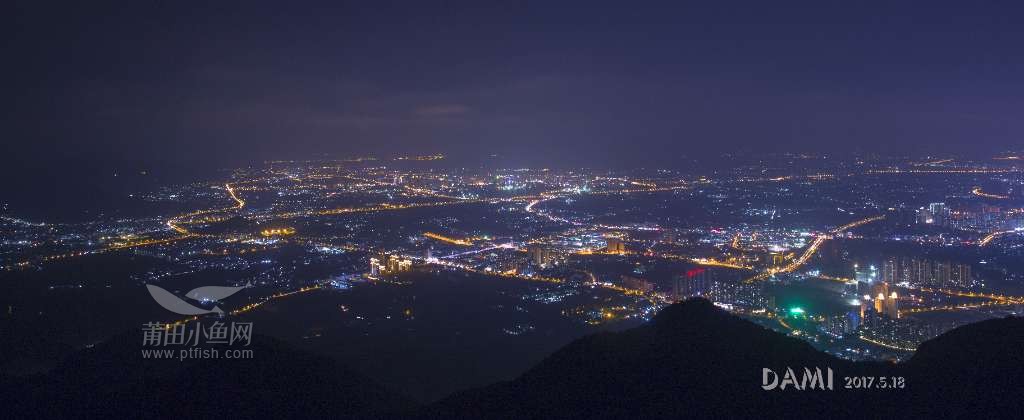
point(925, 217)
point(693, 283)
point(637, 283)
point(880, 303)
point(943, 272)
point(884, 301)
point(375, 267)
point(866, 275)
point(865, 278)
point(960, 276)
point(396, 264)
point(539, 255)
point(891, 271)
point(939, 212)
point(615, 246)
point(928, 273)
point(891, 307)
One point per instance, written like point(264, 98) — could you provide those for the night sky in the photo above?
point(163, 84)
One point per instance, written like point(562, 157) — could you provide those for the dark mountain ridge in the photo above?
point(692, 360)
point(695, 360)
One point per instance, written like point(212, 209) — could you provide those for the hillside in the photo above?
point(692, 360)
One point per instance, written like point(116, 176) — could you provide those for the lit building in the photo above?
point(865, 279)
point(917, 272)
point(394, 264)
point(637, 283)
point(891, 306)
point(880, 303)
point(885, 300)
point(539, 255)
point(397, 264)
point(693, 283)
point(924, 216)
point(939, 212)
point(615, 246)
point(376, 267)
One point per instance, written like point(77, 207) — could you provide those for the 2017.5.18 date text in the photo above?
point(874, 382)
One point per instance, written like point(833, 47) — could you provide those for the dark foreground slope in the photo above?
point(112, 380)
point(696, 360)
point(693, 360)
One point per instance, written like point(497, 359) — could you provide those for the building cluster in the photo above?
point(882, 300)
point(540, 255)
point(983, 217)
point(615, 246)
point(874, 291)
point(876, 316)
point(868, 323)
point(637, 283)
point(723, 289)
point(905, 333)
point(934, 214)
point(392, 264)
point(919, 272)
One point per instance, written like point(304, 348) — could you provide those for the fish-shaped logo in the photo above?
point(175, 304)
point(212, 293)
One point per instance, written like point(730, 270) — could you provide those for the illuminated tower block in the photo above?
point(615, 246)
point(891, 306)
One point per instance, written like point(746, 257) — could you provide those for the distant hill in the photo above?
point(692, 360)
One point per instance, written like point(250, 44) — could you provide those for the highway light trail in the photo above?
point(886, 345)
point(811, 250)
point(978, 192)
point(446, 239)
point(477, 251)
point(992, 236)
point(231, 192)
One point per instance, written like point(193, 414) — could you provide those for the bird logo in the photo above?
point(203, 294)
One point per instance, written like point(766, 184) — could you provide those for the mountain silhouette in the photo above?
point(697, 361)
point(693, 360)
point(113, 380)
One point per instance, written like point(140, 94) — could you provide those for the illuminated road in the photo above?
point(811, 250)
point(175, 223)
point(477, 251)
point(978, 192)
point(992, 236)
point(530, 209)
point(710, 262)
point(1000, 298)
point(886, 345)
point(231, 192)
point(993, 300)
point(956, 307)
point(442, 238)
